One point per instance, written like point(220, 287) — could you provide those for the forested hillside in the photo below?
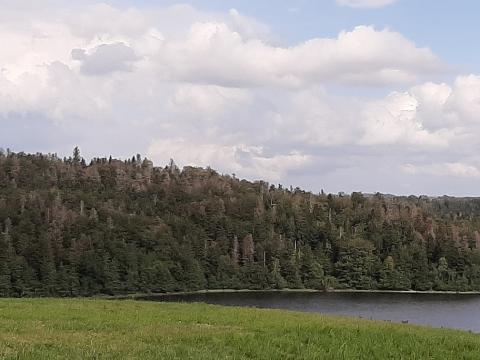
point(110, 227)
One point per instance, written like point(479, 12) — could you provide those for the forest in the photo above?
point(71, 228)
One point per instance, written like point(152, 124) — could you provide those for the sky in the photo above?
point(339, 95)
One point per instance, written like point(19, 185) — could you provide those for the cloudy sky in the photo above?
point(340, 95)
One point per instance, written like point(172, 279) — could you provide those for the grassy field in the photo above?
point(114, 329)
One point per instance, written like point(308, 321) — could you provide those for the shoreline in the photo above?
point(137, 296)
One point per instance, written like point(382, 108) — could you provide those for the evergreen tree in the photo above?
point(354, 268)
point(391, 278)
point(113, 227)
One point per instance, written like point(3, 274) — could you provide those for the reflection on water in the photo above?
point(439, 310)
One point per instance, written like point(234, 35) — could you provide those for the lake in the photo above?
point(458, 311)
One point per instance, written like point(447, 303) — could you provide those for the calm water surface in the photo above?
point(439, 310)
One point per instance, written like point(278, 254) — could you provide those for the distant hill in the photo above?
point(111, 227)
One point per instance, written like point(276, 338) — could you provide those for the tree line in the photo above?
point(68, 228)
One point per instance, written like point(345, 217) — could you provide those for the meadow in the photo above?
point(128, 329)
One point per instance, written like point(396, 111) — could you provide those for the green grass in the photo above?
point(114, 329)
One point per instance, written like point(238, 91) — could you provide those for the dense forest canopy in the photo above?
point(115, 227)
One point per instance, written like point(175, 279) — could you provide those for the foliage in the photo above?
point(115, 227)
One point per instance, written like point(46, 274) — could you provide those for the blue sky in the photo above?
point(341, 95)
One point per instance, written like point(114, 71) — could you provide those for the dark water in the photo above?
point(438, 310)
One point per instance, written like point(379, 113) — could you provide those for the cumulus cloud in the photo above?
point(230, 51)
point(214, 53)
point(365, 3)
point(211, 88)
point(395, 120)
point(211, 101)
point(105, 59)
point(465, 99)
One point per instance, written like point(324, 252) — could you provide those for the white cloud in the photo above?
point(214, 53)
point(105, 59)
point(207, 101)
point(395, 120)
point(464, 100)
point(443, 169)
point(211, 89)
point(232, 50)
point(365, 3)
